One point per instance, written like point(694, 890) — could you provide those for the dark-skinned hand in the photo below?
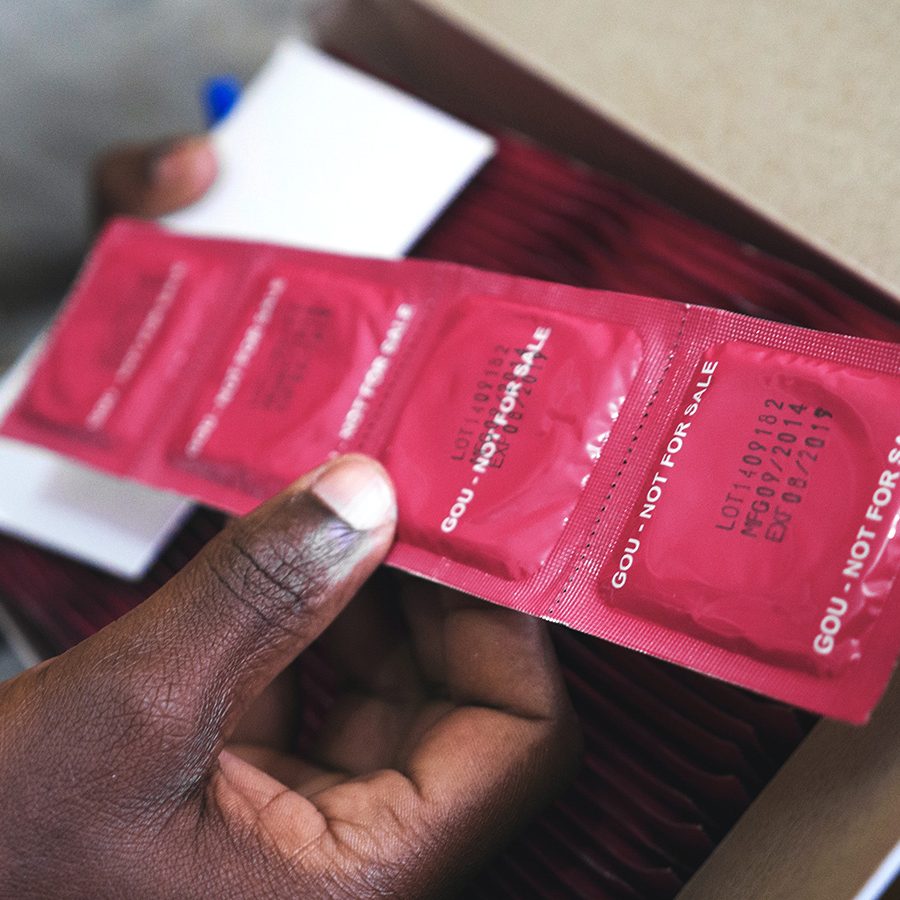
point(156, 759)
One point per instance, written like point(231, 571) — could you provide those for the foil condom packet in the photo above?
point(719, 491)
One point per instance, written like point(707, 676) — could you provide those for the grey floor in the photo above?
point(79, 75)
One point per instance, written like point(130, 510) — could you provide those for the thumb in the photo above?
point(178, 672)
point(154, 179)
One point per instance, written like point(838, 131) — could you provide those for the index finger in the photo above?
point(485, 655)
point(150, 180)
point(505, 747)
point(512, 727)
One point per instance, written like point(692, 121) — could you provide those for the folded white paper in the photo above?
point(117, 525)
point(316, 155)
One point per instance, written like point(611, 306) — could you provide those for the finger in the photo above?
point(512, 717)
point(511, 740)
point(286, 770)
point(184, 666)
point(380, 689)
point(368, 645)
point(499, 658)
point(424, 610)
point(514, 725)
point(480, 654)
point(400, 679)
point(153, 180)
point(273, 720)
point(476, 773)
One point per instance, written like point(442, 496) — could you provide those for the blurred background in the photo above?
point(77, 77)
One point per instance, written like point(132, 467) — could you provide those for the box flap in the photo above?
point(827, 825)
point(787, 108)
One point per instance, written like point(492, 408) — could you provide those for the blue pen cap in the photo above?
point(220, 94)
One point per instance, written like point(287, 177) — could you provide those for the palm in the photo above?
point(441, 703)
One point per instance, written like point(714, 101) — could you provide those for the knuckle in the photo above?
point(159, 730)
point(281, 565)
point(135, 736)
point(149, 709)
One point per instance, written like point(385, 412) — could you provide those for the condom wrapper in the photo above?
point(716, 490)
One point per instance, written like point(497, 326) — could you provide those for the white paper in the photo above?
point(315, 154)
point(318, 155)
point(117, 525)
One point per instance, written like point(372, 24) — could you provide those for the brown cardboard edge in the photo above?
point(407, 42)
point(823, 825)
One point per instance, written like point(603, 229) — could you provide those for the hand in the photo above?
point(151, 180)
point(119, 769)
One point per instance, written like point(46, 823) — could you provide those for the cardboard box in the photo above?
point(778, 124)
point(827, 826)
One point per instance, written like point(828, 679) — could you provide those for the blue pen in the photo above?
point(220, 94)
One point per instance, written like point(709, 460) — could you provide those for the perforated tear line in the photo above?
point(551, 610)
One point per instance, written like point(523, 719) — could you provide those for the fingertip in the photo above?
point(359, 491)
point(185, 169)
